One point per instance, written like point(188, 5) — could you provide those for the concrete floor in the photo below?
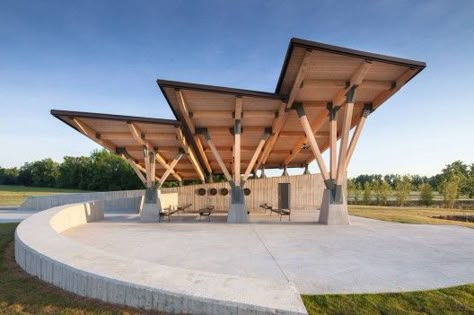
point(368, 256)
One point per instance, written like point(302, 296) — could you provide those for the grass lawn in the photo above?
point(12, 195)
point(24, 294)
point(410, 215)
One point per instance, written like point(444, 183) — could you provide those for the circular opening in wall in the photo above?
point(224, 191)
point(212, 191)
point(201, 192)
point(247, 191)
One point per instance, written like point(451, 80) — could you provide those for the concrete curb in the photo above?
point(42, 251)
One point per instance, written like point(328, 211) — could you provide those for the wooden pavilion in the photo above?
point(323, 92)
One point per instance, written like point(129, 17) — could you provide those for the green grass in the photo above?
point(410, 215)
point(455, 300)
point(21, 293)
point(12, 195)
point(24, 294)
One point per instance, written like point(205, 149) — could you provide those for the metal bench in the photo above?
point(206, 212)
point(280, 212)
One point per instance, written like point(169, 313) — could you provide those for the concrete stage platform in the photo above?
point(368, 256)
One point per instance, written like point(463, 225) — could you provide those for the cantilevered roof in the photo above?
point(313, 74)
point(128, 135)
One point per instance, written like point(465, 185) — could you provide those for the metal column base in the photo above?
point(333, 213)
point(238, 212)
point(150, 206)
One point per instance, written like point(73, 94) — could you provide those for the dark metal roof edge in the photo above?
point(298, 42)
point(217, 89)
point(57, 113)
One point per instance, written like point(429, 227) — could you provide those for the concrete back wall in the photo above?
point(306, 193)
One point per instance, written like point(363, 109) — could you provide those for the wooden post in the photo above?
point(237, 132)
point(332, 139)
point(346, 125)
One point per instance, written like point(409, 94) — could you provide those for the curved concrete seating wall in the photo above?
point(42, 251)
point(124, 200)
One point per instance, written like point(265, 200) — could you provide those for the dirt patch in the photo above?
point(460, 218)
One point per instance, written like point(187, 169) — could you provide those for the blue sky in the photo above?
point(104, 56)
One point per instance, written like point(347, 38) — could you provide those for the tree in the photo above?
point(367, 193)
point(426, 194)
point(385, 190)
point(44, 173)
point(450, 191)
point(402, 189)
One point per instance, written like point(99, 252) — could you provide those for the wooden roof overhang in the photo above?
point(129, 136)
point(314, 75)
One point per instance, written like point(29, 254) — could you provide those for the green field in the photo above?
point(410, 215)
point(24, 294)
point(11, 195)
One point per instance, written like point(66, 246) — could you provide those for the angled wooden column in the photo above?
point(277, 126)
point(315, 125)
point(355, 137)
point(237, 133)
point(255, 155)
point(122, 152)
point(171, 166)
point(191, 155)
point(346, 126)
point(140, 137)
point(312, 140)
point(216, 154)
point(189, 122)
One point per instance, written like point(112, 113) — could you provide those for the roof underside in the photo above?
point(113, 132)
point(313, 74)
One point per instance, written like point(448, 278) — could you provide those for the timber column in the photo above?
point(151, 204)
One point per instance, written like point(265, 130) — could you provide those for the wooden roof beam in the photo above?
point(171, 167)
point(299, 79)
point(356, 80)
point(92, 134)
point(341, 84)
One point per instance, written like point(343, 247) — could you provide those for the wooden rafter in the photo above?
point(186, 115)
point(341, 84)
point(356, 79)
point(92, 134)
point(299, 79)
point(397, 85)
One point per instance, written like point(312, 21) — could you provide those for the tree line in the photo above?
point(456, 180)
point(105, 171)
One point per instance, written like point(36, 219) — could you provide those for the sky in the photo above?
point(105, 56)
